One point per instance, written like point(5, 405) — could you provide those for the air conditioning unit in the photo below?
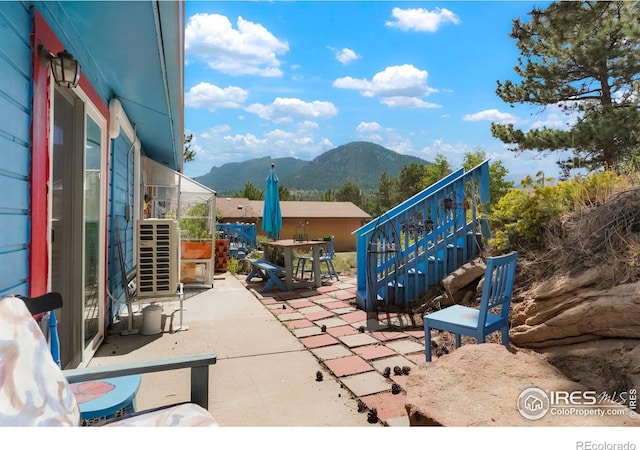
point(157, 274)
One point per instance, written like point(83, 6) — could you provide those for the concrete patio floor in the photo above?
point(270, 348)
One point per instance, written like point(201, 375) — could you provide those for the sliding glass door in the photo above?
point(78, 223)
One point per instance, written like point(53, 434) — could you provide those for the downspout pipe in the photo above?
point(165, 81)
point(129, 205)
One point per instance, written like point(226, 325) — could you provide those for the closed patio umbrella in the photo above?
point(271, 214)
point(53, 336)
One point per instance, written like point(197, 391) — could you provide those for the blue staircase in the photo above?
point(413, 246)
point(241, 236)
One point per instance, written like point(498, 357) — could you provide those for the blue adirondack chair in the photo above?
point(462, 320)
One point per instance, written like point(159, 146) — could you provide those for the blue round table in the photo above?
point(104, 399)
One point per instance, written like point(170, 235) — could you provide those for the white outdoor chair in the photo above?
point(34, 391)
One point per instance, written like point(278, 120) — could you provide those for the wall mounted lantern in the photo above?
point(65, 69)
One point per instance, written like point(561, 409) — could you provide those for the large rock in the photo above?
point(611, 365)
point(577, 315)
point(552, 296)
point(463, 276)
point(460, 285)
point(479, 385)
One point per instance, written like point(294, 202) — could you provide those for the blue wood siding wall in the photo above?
point(16, 89)
point(121, 194)
point(54, 14)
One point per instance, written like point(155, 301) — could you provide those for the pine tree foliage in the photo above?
point(585, 58)
point(189, 154)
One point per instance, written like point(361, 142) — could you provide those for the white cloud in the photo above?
point(368, 127)
point(248, 50)
point(308, 124)
point(305, 140)
point(551, 121)
point(279, 135)
point(243, 140)
point(218, 146)
point(216, 130)
point(405, 81)
point(420, 19)
point(399, 86)
point(387, 137)
point(222, 128)
point(517, 164)
point(211, 97)
point(345, 55)
point(492, 115)
point(375, 138)
point(208, 145)
point(289, 109)
point(352, 83)
point(454, 153)
point(326, 144)
point(408, 102)
point(402, 146)
point(555, 117)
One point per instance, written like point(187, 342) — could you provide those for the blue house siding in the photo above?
point(60, 22)
point(112, 41)
point(15, 145)
point(121, 193)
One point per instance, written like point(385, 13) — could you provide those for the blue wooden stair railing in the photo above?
point(241, 236)
point(411, 247)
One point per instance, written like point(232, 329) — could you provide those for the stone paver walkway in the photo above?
point(356, 347)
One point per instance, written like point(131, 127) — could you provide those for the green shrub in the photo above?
point(593, 190)
point(232, 266)
point(345, 262)
point(521, 215)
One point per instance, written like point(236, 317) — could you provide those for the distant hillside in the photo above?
point(361, 163)
point(232, 177)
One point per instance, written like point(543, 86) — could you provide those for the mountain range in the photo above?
point(360, 163)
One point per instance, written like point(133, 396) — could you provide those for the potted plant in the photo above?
point(197, 241)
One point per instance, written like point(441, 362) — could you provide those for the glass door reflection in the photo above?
point(92, 302)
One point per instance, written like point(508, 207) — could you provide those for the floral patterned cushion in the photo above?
point(33, 390)
point(183, 415)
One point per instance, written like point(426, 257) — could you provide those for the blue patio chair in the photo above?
point(496, 294)
point(326, 258)
point(301, 264)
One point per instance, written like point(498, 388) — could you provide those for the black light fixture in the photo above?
point(65, 69)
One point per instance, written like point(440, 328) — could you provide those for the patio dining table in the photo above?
point(288, 245)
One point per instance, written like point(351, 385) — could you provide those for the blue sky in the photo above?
point(299, 78)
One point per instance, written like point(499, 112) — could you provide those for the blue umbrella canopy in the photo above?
point(271, 214)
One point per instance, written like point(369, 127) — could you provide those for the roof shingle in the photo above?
point(242, 207)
